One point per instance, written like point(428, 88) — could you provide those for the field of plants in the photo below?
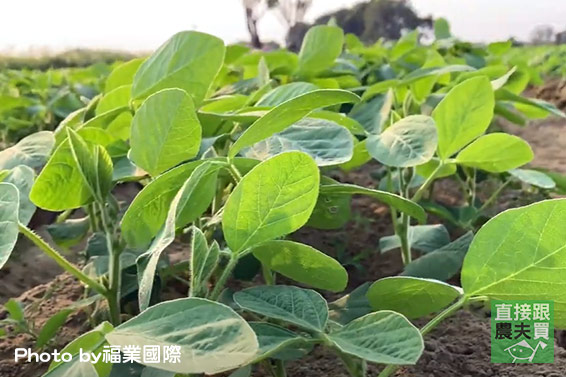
point(349, 210)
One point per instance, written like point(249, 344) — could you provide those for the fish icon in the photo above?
point(524, 351)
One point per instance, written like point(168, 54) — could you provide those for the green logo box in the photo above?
point(522, 331)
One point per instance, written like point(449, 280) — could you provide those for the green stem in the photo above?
point(390, 369)
point(355, 367)
point(61, 261)
point(234, 171)
point(219, 286)
point(404, 237)
point(418, 195)
point(280, 369)
point(114, 269)
point(267, 275)
point(493, 196)
point(63, 216)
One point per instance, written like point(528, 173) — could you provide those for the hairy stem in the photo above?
point(219, 286)
point(61, 261)
point(390, 369)
point(418, 195)
point(280, 369)
point(114, 269)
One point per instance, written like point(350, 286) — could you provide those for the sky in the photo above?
point(142, 25)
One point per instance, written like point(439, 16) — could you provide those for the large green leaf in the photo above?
point(410, 142)
point(60, 185)
point(463, 115)
point(520, 254)
point(165, 131)
point(213, 338)
point(285, 92)
point(383, 337)
point(147, 262)
point(275, 198)
point(203, 261)
point(32, 151)
point(443, 263)
point(122, 74)
point(289, 112)
point(321, 46)
point(189, 60)
point(117, 98)
point(326, 142)
point(404, 205)
point(412, 297)
point(302, 307)
point(496, 153)
point(302, 263)
point(94, 165)
point(22, 177)
point(9, 203)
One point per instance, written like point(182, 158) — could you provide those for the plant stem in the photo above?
point(404, 237)
point(219, 286)
point(61, 261)
point(280, 369)
point(493, 196)
point(390, 369)
point(418, 195)
point(114, 269)
point(267, 275)
point(355, 367)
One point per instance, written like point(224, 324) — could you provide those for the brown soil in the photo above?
point(42, 302)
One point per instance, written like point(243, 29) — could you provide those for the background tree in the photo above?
point(289, 12)
point(370, 21)
point(542, 34)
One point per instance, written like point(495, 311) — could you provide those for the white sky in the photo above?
point(144, 24)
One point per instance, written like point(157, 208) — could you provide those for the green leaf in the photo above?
point(289, 112)
point(441, 29)
point(425, 72)
point(373, 114)
point(122, 74)
point(32, 151)
point(70, 232)
point(330, 211)
point(274, 199)
point(496, 153)
point(302, 307)
point(533, 178)
point(165, 131)
point(351, 124)
point(147, 262)
point(213, 338)
point(463, 115)
point(273, 339)
point(94, 165)
point(443, 263)
point(520, 254)
point(412, 297)
point(425, 238)
point(359, 157)
point(506, 95)
point(117, 98)
point(399, 342)
point(321, 46)
point(148, 211)
point(353, 305)
point(326, 142)
point(189, 60)
point(90, 342)
point(9, 203)
point(410, 142)
point(284, 93)
point(303, 264)
point(203, 261)
point(404, 205)
point(22, 177)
